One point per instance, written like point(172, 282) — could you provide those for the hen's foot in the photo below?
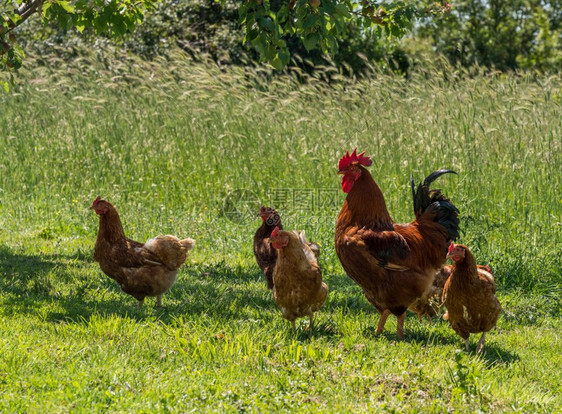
point(382, 321)
point(480, 345)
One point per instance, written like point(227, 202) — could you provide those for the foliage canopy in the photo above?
point(266, 24)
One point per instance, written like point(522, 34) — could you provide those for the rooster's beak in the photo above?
point(340, 172)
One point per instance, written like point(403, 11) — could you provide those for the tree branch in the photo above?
point(25, 10)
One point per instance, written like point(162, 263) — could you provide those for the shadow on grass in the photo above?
point(494, 355)
point(60, 288)
point(29, 275)
point(320, 329)
point(425, 336)
point(66, 288)
point(434, 334)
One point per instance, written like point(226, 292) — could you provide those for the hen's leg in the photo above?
point(400, 325)
point(159, 301)
point(140, 303)
point(311, 316)
point(382, 321)
point(480, 345)
point(466, 344)
point(294, 326)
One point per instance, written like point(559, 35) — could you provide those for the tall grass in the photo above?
point(173, 144)
point(168, 141)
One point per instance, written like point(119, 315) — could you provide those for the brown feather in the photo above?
point(298, 289)
point(139, 269)
point(264, 252)
point(431, 303)
point(469, 296)
point(419, 246)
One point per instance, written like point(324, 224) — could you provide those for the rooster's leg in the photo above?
point(140, 303)
point(466, 344)
point(159, 301)
point(294, 326)
point(400, 325)
point(480, 346)
point(382, 321)
point(311, 316)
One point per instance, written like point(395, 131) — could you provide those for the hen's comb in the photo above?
point(451, 247)
point(96, 201)
point(347, 160)
point(275, 232)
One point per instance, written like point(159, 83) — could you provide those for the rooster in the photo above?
point(429, 305)
point(394, 264)
point(469, 296)
point(148, 269)
point(298, 289)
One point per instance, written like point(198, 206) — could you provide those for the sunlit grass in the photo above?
point(169, 143)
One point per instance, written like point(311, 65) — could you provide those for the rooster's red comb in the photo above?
point(275, 232)
point(451, 247)
point(347, 160)
point(96, 201)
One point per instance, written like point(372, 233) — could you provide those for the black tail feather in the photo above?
point(435, 175)
point(446, 213)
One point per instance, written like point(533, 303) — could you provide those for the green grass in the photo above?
point(169, 143)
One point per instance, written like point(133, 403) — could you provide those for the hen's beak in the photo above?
point(340, 172)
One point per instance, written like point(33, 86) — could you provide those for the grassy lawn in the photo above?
point(192, 150)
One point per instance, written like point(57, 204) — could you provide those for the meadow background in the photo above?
point(193, 149)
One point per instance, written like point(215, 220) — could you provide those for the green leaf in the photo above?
point(80, 24)
point(309, 23)
point(267, 24)
point(342, 10)
point(284, 56)
point(367, 23)
point(310, 41)
point(46, 7)
point(328, 7)
point(252, 34)
point(270, 52)
point(15, 18)
point(66, 6)
point(277, 63)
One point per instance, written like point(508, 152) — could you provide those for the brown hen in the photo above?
point(430, 304)
point(264, 252)
point(148, 269)
point(469, 296)
point(298, 289)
